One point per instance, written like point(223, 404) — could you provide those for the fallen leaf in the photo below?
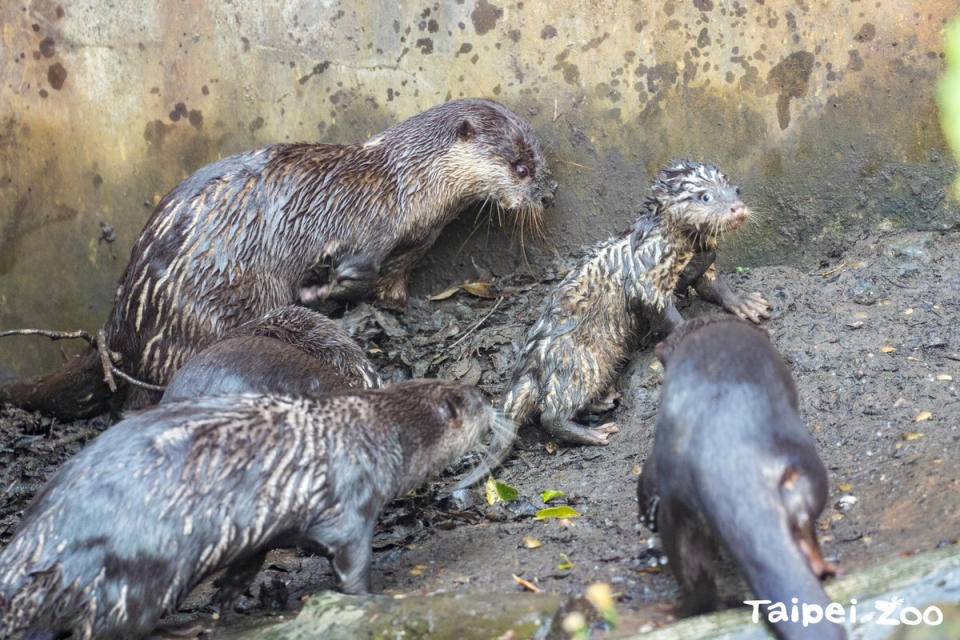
point(656, 366)
point(479, 289)
point(907, 312)
point(551, 448)
point(531, 543)
point(550, 494)
point(829, 271)
point(888, 349)
point(498, 491)
point(650, 570)
point(636, 469)
point(861, 314)
point(844, 487)
point(525, 584)
point(912, 435)
point(418, 569)
point(556, 512)
point(817, 427)
point(566, 564)
point(923, 415)
point(944, 376)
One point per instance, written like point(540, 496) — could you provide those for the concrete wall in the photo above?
point(822, 111)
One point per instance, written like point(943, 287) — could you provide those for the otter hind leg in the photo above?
point(561, 426)
point(691, 549)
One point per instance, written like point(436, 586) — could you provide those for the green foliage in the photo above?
point(948, 92)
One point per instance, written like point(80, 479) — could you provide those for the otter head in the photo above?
point(449, 420)
point(491, 156)
point(698, 200)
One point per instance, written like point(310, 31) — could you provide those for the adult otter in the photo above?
point(216, 482)
point(733, 464)
point(290, 351)
point(233, 240)
point(590, 322)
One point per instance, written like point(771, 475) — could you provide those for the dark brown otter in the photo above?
point(590, 322)
point(158, 502)
point(235, 239)
point(733, 465)
point(290, 351)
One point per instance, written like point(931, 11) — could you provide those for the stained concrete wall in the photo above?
point(822, 111)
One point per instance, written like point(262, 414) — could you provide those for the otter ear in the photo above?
point(450, 408)
point(465, 130)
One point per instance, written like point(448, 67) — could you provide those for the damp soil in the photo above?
point(870, 336)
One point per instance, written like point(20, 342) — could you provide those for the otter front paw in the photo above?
point(752, 306)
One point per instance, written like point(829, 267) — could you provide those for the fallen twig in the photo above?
point(477, 325)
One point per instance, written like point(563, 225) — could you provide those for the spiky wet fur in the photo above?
point(589, 323)
point(215, 482)
point(233, 241)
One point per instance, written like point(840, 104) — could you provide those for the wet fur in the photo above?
point(234, 240)
point(290, 351)
point(590, 322)
point(733, 466)
point(216, 482)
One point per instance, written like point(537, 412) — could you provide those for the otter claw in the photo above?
point(751, 307)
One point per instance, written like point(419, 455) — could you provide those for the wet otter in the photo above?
point(235, 239)
point(589, 323)
point(215, 482)
point(290, 351)
point(733, 464)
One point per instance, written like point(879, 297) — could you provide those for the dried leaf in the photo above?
point(912, 435)
point(944, 376)
point(650, 570)
point(479, 289)
point(829, 271)
point(656, 366)
point(551, 447)
point(556, 512)
point(550, 494)
point(907, 312)
point(923, 415)
point(888, 349)
point(418, 569)
point(636, 469)
point(525, 584)
point(531, 543)
point(566, 564)
point(844, 487)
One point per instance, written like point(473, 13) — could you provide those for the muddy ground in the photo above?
point(870, 335)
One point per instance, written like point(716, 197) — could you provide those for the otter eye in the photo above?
point(706, 197)
point(521, 170)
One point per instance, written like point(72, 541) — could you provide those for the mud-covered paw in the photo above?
point(751, 307)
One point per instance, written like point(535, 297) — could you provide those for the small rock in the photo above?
point(865, 293)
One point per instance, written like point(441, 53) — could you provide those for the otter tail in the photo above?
point(772, 539)
point(75, 390)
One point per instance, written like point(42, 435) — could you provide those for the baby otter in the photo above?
point(733, 464)
point(235, 239)
point(590, 322)
point(216, 482)
point(290, 351)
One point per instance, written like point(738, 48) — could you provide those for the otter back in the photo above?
point(215, 482)
point(733, 465)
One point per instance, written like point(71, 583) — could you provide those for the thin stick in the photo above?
point(477, 325)
point(107, 357)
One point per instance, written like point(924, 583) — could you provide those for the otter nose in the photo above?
point(548, 195)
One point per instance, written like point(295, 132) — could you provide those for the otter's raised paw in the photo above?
point(752, 307)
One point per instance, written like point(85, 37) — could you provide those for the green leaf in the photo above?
point(566, 564)
point(550, 494)
point(497, 491)
point(556, 512)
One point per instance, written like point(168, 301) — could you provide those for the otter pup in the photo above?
point(290, 351)
point(235, 239)
point(589, 324)
point(733, 464)
point(215, 482)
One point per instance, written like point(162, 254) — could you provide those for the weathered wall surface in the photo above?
point(823, 112)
